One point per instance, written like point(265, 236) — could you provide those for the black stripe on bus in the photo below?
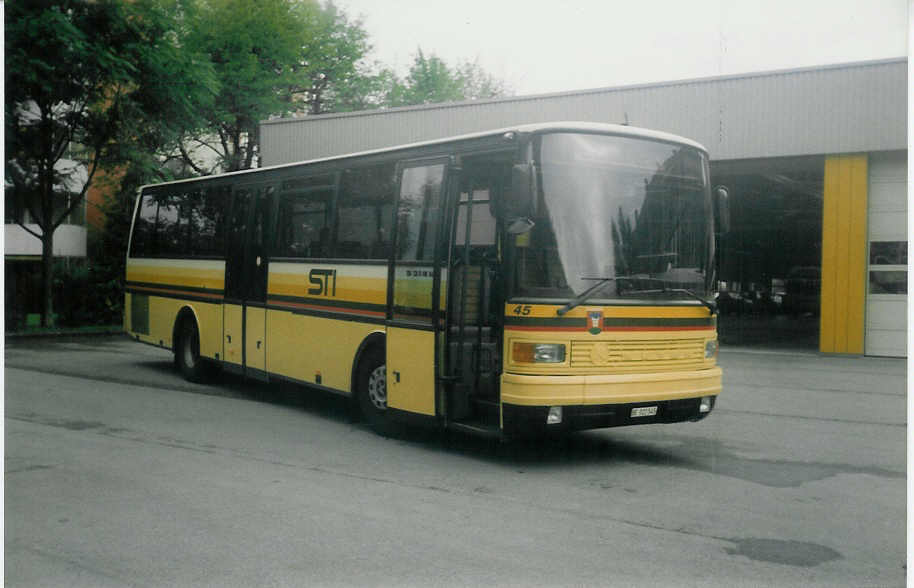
point(546, 322)
point(336, 261)
point(214, 257)
point(659, 322)
point(407, 323)
point(175, 295)
point(330, 314)
point(175, 287)
point(611, 322)
point(368, 306)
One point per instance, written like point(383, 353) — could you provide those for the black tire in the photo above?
point(187, 353)
point(371, 392)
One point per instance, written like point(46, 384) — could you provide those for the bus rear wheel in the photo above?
point(187, 353)
point(372, 392)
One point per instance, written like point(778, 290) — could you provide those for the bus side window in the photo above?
point(180, 221)
point(143, 241)
point(419, 212)
point(365, 210)
point(205, 212)
point(305, 212)
point(166, 225)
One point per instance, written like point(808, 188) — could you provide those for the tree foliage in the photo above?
point(431, 80)
point(78, 95)
point(158, 89)
point(271, 58)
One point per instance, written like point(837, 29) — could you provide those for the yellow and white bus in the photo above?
point(545, 277)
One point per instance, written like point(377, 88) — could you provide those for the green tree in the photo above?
point(334, 63)
point(271, 58)
point(431, 80)
point(82, 80)
point(478, 84)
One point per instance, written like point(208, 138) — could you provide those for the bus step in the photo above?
point(488, 411)
point(478, 429)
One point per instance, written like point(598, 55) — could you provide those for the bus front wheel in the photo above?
point(187, 353)
point(372, 392)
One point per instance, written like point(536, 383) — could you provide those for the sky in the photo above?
point(538, 47)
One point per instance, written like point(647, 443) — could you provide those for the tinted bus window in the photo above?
point(180, 222)
point(365, 213)
point(157, 231)
point(305, 216)
point(167, 225)
point(141, 241)
point(204, 214)
point(419, 212)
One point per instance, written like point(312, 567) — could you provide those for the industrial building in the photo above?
point(815, 160)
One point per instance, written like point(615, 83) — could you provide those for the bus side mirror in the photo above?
point(521, 198)
point(722, 207)
point(520, 225)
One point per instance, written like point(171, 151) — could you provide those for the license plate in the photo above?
point(643, 411)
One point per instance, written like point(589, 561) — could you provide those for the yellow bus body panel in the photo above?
point(608, 389)
point(315, 339)
point(255, 338)
point(232, 350)
point(639, 354)
point(172, 284)
point(209, 320)
point(632, 354)
point(411, 370)
point(314, 349)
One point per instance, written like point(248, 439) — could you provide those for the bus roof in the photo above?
point(548, 127)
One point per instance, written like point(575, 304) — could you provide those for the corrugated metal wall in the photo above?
point(834, 109)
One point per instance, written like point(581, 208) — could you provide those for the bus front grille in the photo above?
point(639, 355)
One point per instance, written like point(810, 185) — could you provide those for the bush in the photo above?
point(85, 296)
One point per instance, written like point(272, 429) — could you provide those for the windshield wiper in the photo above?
point(586, 293)
point(709, 304)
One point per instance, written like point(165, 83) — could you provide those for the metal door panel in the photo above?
point(255, 338)
point(233, 329)
point(246, 279)
point(411, 370)
point(415, 291)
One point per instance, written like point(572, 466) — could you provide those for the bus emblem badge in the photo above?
point(595, 317)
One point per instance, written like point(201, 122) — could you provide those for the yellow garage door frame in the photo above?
point(843, 294)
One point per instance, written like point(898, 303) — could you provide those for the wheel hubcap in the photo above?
point(377, 387)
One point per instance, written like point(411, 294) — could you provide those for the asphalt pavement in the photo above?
point(119, 473)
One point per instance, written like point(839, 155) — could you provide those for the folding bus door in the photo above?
point(472, 323)
point(246, 269)
point(415, 292)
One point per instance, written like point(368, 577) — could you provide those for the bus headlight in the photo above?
point(538, 352)
point(711, 349)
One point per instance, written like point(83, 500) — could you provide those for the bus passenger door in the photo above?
point(246, 268)
point(471, 355)
point(415, 293)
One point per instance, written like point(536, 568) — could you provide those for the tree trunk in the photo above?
point(47, 278)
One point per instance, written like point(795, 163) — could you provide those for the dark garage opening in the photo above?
point(771, 260)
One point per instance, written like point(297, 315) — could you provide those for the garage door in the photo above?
point(887, 291)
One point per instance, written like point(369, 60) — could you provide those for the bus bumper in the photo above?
point(595, 401)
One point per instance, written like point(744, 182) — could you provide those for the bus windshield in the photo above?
point(634, 214)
